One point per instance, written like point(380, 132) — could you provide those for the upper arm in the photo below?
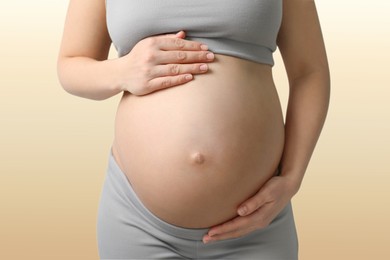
point(85, 32)
point(300, 40)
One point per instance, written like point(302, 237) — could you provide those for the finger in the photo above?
point(180, 34)
point(266, 214)
point(234, 234)
point(184, 57)
point(167, 82)
point(258, 220)
point(233, 225)
point(253, 203)
point(240, 225)
point(177, 69)
point(175, 43)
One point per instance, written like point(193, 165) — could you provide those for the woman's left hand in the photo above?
point(257, 212)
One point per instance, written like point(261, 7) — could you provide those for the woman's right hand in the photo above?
point(160, 62)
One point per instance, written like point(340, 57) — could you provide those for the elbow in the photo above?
point(324, 81)
point(319, 77)
point(316, 83)
point(62, 76)
point(322, 78)
point(307, 69)
point(324, 74)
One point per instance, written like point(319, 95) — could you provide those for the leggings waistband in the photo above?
point(124, 185)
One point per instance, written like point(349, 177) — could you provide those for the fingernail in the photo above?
point(206, 240)
point(189, 76)
point(210, 55)
point(204, 47)
point(203, 67)
point(242, 211)
point(180, 32)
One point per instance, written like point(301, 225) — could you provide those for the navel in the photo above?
point(197, 158)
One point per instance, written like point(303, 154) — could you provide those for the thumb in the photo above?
point(180, 34)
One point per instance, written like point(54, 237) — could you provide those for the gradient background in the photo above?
point(54, 146)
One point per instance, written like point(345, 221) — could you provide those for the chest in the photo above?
point(250, 21)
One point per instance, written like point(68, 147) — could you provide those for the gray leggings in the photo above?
point(126, 229)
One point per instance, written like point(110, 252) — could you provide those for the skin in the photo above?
point(84, 70)
point(302, 47)
point(231, 116)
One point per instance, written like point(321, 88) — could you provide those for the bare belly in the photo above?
point(194, 152)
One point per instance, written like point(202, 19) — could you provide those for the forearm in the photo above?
point(88, 78)
point(306, 112)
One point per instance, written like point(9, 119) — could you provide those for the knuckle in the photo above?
point(165, 83)
point(223, 228)
point(253, 205)
point(257, 204)
point(181, 55)
point(149, 56)
point(151, 41)
point(147, 72)
point(202, 56)
point(192, 45)
point(195, 67)
point(179, 43)
point(175, 69)
point(245, 222)
point(148, 87)
point(186, 78)
point(268, 194)
point(181, 80)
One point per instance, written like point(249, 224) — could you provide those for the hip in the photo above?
point(127, 229)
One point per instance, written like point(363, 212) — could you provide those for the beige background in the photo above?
point(54, 146)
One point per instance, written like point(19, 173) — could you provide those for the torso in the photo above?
point(194, 152)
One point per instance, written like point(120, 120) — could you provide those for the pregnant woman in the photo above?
point(202, 165)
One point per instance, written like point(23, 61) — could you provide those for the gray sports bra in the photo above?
point(243, 28)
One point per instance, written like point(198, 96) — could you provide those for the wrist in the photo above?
point(115, 81)
point(294, 182)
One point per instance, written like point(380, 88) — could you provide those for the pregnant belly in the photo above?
point(194, 152)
